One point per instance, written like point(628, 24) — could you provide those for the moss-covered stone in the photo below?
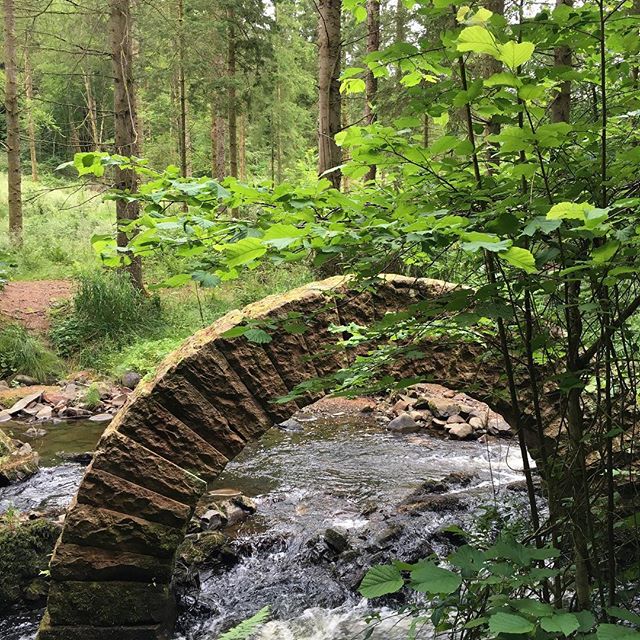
point(24, 553)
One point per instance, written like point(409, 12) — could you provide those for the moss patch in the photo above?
point(24, 553)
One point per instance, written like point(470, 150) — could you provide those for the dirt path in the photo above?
point(28, 302)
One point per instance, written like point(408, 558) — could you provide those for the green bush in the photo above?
point(23, 353)
point(106, 306)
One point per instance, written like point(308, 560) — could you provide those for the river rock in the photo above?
point(476, 422)
point(291, 425)
point(404, 423)
point(3, 385)
point(34, 432)
point(457, 419)
point(461, 431)
point(130, 379)
point(497, 425)
point(26, 381)
point(443, 407)
point(17, 462)
point(336, 540)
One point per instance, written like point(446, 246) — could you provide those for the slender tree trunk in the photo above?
point(490, 67)
point(217, 144)
point(373, 45)
point(561, 106)
point(182, 96)
point(74, 138)
point(402, 21)
point(91, 112)
point(120, 34)
point(242, 147)
point(329, 100)
point(233, 102)
point(12, 114)
point(31, 129)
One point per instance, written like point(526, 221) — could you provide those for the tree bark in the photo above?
point(561, 106)
point(329, 100)
point(92, 112)
point(31, 128)
point(217, 144)
point(126, 138)
point(182, 97)
point(242, 147)
point(373, 45)
point(12, 115)
point(233, 103)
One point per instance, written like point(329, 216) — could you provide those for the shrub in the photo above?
point(106, 306)
point(23, 353)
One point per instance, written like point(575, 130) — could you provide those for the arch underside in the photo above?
point(112, 566)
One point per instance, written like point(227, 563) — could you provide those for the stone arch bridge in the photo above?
point(112, 566)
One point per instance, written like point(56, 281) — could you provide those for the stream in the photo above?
point(341, 473)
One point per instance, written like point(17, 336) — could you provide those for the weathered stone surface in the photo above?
point(81, 563)
point(108, 603)
point(125, 458)
point(118, 531)
point(17, 462)
point(404, 423)
point(184, 401)
point(461, 431)
point(146, 632)
point(213, 376)
point(102, 489)
point(443, 407)
point(256, 370)
point(154, 427)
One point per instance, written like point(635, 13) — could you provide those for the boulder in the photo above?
point(404, 423)
point(17, 462)
point(130, 379)
point(443, 407)
point(461, 431)
point(455, 420)
point(336, 540)
point(26, 381)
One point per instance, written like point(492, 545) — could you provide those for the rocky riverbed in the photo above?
point(297, 518)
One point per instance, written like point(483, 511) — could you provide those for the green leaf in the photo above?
point(503, 78)
point(520, 258)
point(565, 623)
point(479, 40)
point(247, 627)
point(568, 211)
point(429, 578)
point(381, 580)
point(475, 240)
point(259, 336)
point(532, 607)
point(616, 632)
point(623, 614)
point(509, 623)
point(604, 253)
point(244, 251)
point(515, 54)
point(177, 280)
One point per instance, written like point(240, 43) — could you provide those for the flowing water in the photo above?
point(337, 473)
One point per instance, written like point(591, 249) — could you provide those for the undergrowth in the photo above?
point(25, 354)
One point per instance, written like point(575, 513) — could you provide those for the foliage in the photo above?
point(105, 307)
point(25, 354)
point(248, 627)
point(495, 592)
point(91, 397)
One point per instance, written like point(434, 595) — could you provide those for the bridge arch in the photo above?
point(112, 566)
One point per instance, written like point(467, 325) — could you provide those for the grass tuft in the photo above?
point(25, 354)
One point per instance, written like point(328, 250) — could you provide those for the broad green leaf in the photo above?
point(177, 280)
point(515, 54)
point(565, 623)
point(532, 607)
point(429, 578)
point(604, 253)
point(479, 40)
point(509, 623)
point(504, 78)
point(530, 92)
point(259, 336)
point(623, 614)
point(520, 258)
point(244, 251)
point(381, 580)
point(616, 632)
point(569, 211)
point(475, 240)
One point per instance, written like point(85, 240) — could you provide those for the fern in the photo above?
point(248, 626)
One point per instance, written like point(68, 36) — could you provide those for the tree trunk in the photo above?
point(31, 129)
point(92, 112)
point(74, 138)
point(492, 66)
point(217, 144)
point(242, 147)
point(120, 33)
point(182, 96)
point(12, 114)
point(402, 20)
point(233, 106)
point(329, 101)
point(561, 106)
point(373, 45)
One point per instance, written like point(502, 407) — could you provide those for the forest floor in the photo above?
point(28, 302)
